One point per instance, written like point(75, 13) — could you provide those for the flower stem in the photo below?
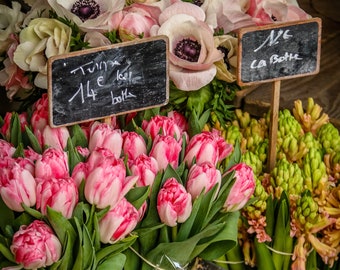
point(174, 233)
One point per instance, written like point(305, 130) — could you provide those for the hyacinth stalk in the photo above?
point(328, 136)
point(287, 124)
point(294, 149)
point(306, 222)
point(288, 177)
point(315, 174)
point(311, 119)
point(253, 161)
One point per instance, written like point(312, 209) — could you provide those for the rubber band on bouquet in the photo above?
point(156, 266)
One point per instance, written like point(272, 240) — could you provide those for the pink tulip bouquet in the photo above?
point(202, 41)
point(98, 196)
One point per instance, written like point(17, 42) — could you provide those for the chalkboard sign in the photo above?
point(278, 51)
point(101, 82)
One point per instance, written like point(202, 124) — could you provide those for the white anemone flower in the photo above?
point(87, 14)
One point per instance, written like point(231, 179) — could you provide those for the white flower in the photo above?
point(41, 39)
point(10, 19)
point(87, 14)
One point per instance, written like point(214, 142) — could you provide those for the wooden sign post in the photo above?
point(100, 82)
point(274, 52)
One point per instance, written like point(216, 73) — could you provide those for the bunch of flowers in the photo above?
point(293, 223)
point(202, 40)
point(95, 195)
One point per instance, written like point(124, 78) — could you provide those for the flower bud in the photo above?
point(103, 135)
point(107, 183)
point(133, 145)
point(162, 125)
point(52, 163)
point(173, 203)
point(36, 246)
point(118, 222)
point(55, 137)
point(202, 177)
point(145, 168)
point(17, 186)
point(59, 194)
point(242, 189)
point(6, 149)
point(207, 146)
point(166, 150)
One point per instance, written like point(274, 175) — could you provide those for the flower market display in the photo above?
point(170, 187)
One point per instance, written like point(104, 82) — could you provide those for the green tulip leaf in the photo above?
point(34, 213)
point(223, 241)
point(6, 214)
point(186, 227)
point(132, 259)
point(62, 226)
point(33, 140)
point(78, 136)
point(138, 195)
point(15, 128)
point(115, 248)
point(116, 262)
point(19, 151)
point(73, 156)
point(95, 233)
point(6, 252)
point(169, 255)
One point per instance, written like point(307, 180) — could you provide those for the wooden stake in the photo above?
point(275, 104)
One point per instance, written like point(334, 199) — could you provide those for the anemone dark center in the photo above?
point(225, 58)
point(198, 2)
point(188, 50)
point(86, 9)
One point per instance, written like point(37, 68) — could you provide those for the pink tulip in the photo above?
point(166, 150)
point(118, 222)
point(107, 184)
point(55, 137)
point(60, 194)
point(207, 147)
point(201, 177)
point(17, 185)
point(52, 164)
point(5, 129)
point(26, 164)
point(36, 246)
point(173, 203)
point(135, 21)
point(133, 145)
point(31, 154)
point(242, 189)
point(180, 120)
point(6, 149)
point(103, 135)
point(80, 173)
point(145, 168)
point(96, 157)
point(162, 125)
point(39, 117)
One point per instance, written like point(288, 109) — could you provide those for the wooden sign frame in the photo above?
point(101, 82)
point(247, 37)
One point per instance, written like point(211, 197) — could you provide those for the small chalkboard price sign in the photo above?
point(100, 82)
point(279, 51)
point(274, 52)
